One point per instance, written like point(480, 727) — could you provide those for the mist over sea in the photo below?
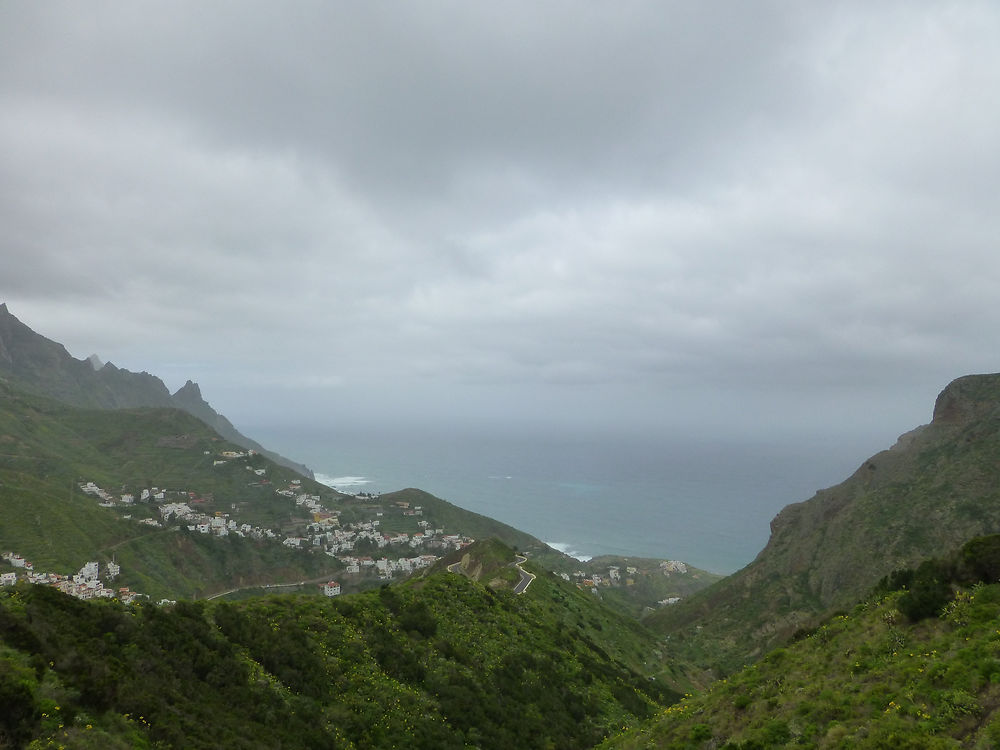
point(708, 503)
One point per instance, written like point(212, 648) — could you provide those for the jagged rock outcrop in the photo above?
point(188, 397)
point(937, 487)
point(43, 366)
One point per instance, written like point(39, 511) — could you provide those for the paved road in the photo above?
point(526, 577)
point(522, 585)
point(323, 579)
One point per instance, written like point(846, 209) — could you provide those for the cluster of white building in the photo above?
point(219, 524)
point(613, 577)
point(109, 500)
point(181, 512)
point(86, 584)
point(323, 533)
point(226, 456)
point(386, 567)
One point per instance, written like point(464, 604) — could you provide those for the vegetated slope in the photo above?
point(646, 582)
point(911, 668)
point(47, 448)
point(470, 523)
point(489, 561)
point(939, 485)
point(443, 663)
point(492, 563)
point(42, 366)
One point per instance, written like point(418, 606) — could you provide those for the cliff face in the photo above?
point(43, 366)
point(937, 487)
point(968, 399)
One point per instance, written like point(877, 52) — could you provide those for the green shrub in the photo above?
point(776, 732)
point(930, 591)
point(20, 714)
point(700, 732)
point(982, 558)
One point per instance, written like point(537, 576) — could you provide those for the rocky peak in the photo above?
point(967, 398)
point(189, 393)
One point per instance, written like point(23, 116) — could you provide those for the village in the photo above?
point(323, 532)
point(360, 545)
point(646, 584)
point(86, 584)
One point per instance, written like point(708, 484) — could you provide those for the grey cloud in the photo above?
point(612, 203)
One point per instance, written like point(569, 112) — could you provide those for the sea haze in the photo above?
point(708, 503)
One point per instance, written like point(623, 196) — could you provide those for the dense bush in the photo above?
point(444, 665)
point(930, 587)
point(981, 557)
point(929, 591)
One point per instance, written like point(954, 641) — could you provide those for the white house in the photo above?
point(331, 589)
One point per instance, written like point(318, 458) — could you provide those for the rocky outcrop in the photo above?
point(967, 399)
point(188, 397)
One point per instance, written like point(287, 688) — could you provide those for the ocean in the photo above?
point(706, 502)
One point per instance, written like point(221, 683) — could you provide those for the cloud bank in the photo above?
point(750, 217)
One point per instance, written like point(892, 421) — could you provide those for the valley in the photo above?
point(273, 609)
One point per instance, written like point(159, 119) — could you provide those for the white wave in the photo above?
point(500, 476)
point(568, 550)
point(338, 482)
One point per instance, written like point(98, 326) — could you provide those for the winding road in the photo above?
point(522, 585)
point(526, 577)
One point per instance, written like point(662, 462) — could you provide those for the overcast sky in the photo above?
point(731, 217)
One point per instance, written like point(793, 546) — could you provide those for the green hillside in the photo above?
point(49, 449)
point(66, 422)
point(911, 668)
point(938, 486)
point(577, 609)
point(471, 524)
point(438, 663)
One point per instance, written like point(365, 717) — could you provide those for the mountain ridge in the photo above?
point(43, 366)
point(933, 489)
